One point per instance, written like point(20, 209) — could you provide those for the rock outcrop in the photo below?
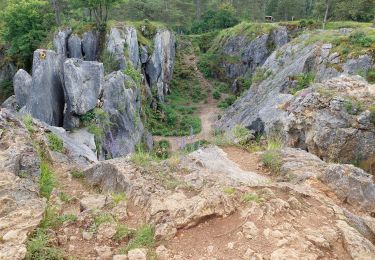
point(122, 43)
point(333, 121)
point(21, 208)
point(244, 56)
point(159, 68)
point(122, 103)
point(46, 99)
point(75, 47)
point(22, 83)
point(90, 45)
point(83, 82)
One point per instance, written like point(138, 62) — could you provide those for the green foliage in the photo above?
point(371, 76)
point(372, 114)
point(99, 219)
point(64, 197)
point(271, 159)
point(67, 218)
point(360, 38)
point(353, 106)
point(6, 89)
point(162, 149)
point(229, 190)
point(118, 197)
point(143, 237)
point(209, 65)
point(26, 24)
point(28, 121)
point(216, 95)
point(109, 61)
point(39, 247)
point(250, 197)
point(260, 75)
point(189, 148)
point(99, 125)
point(122, 232)
point(55, 143)
point(77, 174)
point(227, 102)
point(224, 17)
point(304, 80)
point(46, 180)
point(240, 131)
point(142, 158)
point(134, 74)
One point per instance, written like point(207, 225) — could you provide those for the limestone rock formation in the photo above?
point(21, 208)
point(122, 42)
point(22, 83)
point(46, 99)
point(332, 120)
point(122, 103)
point(159, 68)
point(75, 47)
point(90, 45)
point(83, 81)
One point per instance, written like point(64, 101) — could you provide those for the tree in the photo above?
point(26, 23)
point(99, 8)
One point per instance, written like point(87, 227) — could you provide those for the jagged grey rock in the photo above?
point(123, 44)
point(22, 82)
point(75, 47)
point(122, 103)
point(143, 54)
point(250, 54)
point(7, 70)
point(46, 99)
point(159, 68)
point(11, 104)
point(60, 43)
point(83, 83)
point(90, 45)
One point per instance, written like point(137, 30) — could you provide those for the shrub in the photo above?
point(272, 160)
point(134, 74)
point(162, 149)
point(360, 38)
point(216, 95)
point(250, 197)
point(371, 76)
point(227, 102)
point(353, 107)
point(55, 143)
point(39, 247)
point(117, 197)
point(122, 232)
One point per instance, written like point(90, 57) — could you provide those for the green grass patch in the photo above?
point(143, 237)
point(251, 197)
point(46, 180)
point(77, 174)
point(271, 159)
point(227, 102)
point(303, 80)
point(55, 143)
point(28, 121)
point(118, 197)
point(122, 232)
point(229, 190)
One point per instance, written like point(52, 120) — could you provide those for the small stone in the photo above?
point(120, 257)
point(92, 202)
point(104, 252)
point(72, 238)
point(248, 254)
point(62, 239)
point(250, 230)
point(71, 248)
point(87, 235)
point(210, 249)
point(106, 231)
point(137, 254)
point(230, 245)
point(162, 253)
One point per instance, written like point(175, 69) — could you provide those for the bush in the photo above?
point(353, 107)
point(227, 102)
point(162, 149)
point(360, 38)
point(143, 237)
point(223, 18)
point(216, 95)
point(371, 76)
point(134, 74)
point(55, 143)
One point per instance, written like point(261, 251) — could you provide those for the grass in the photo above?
point(142, 158)
point(64, 197)
point(251, 197)
point(118, 197)
point(372, 114)
point(55, 143)
point(260, 75)
point(46, 180)
point(143, 237)
point(122, 232)
point(271, 159)
point(229, 190)
point(77, 174)
point(28, 121)
point(304, 80)
point(227, 102)
point(353, 106)
point(99, 219)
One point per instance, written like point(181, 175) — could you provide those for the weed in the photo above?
point(118, 197)
point(55, 143)
point(122, 232)
point(67, 218)
point(143, 237)
point(353, 107)
point(303, 81)
point(77, 174)
point(134, 74)
point(372, 114)
point(250, 197)
point(216, 95)
point(64, 197)
point(142, 158)
point(46, 180)
point(272, 160)
point(109, 61)
point(260, 75)
point(227, 102)
point(229, 190)
point(39, 247)
point(101, 218)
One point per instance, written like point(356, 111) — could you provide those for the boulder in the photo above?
point(159, 68)
point(21, 207)
point(7, 70)
point(22, 82)
point(11, 104)
point(137, 254)
point(75, 47)
point(60, 43)
point(90, 45)
point(83, 84)
point(122, 103)
point(93, 202)
point(47, 100)
point(123, 44)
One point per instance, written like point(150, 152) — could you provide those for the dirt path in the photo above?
point(207, 111)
